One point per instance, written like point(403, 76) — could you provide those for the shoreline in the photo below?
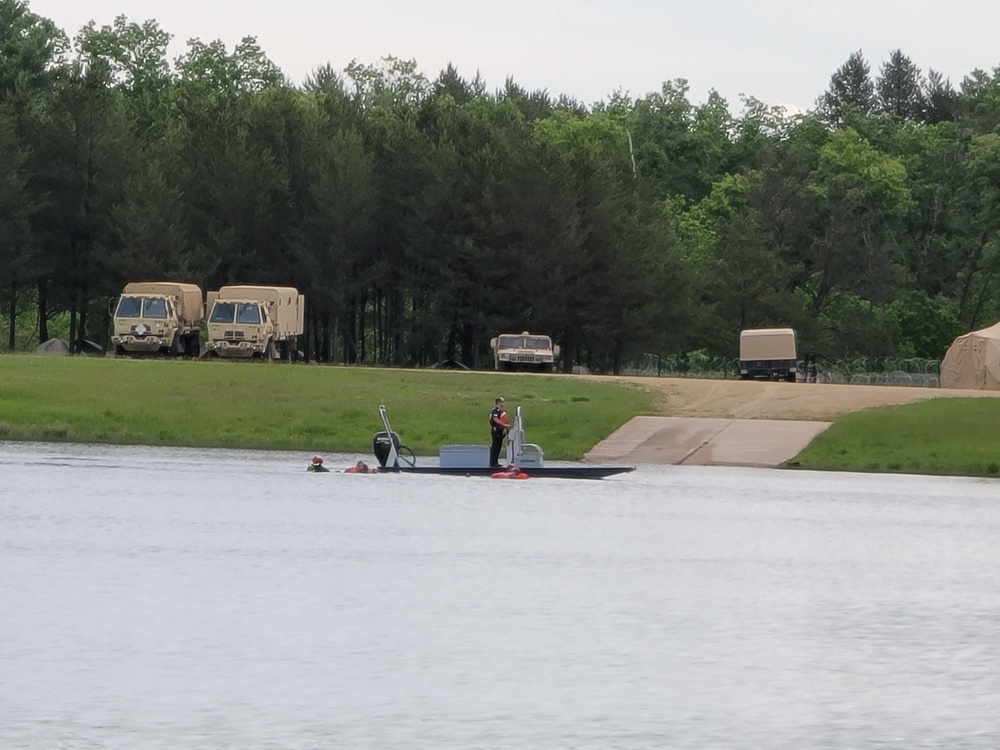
point(227, 406)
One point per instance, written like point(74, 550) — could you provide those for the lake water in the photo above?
point(161, 598)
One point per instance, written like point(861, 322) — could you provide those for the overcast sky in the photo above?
point(782, 52)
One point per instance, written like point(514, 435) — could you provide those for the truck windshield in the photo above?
point(129, 307)
point(525, 342)
point(154, 308)
point(248, 312)
point(223, 312)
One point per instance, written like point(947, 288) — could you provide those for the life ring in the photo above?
point(509, 474)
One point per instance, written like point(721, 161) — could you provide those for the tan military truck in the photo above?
point(259, 322)
point(158, 317)
point(524, 351)
point(768, 353)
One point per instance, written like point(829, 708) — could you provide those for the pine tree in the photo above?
point(851, 91)
point(900, 89)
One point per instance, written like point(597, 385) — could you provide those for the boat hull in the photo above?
point(550, 472)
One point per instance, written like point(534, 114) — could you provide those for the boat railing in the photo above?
point(519, 452)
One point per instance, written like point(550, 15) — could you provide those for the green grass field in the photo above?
point(296, 407)
point(316, 408)
point(959, 436)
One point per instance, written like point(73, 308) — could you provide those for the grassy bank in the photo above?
point(958, 436)
point(316, 408)
point(295, 407)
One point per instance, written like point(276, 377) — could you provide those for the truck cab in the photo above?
point(143, 323)
point(239, 328)
point(157, 318)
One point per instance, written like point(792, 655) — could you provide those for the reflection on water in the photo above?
point(158, 598)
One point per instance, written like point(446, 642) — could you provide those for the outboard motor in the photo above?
point(386, 445)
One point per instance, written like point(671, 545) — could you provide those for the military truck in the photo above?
point(524, 351)
point(768, 353)
point(158, 317)
point(255, 322)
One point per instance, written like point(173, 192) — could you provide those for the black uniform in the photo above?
point(498, 419)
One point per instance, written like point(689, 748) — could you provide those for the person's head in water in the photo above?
point(359, 468)
point(317, 461)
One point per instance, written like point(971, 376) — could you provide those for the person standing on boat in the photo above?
point(499, 424)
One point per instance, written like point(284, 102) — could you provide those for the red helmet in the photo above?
point(317, 459)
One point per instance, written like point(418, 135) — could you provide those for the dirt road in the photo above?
point(752, 399)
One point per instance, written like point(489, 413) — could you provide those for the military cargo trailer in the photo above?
point(768, 353)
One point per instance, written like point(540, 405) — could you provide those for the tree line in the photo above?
point(420, 217)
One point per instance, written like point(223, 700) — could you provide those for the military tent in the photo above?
point(60, 347)
point(53, 346)
point(973, 361)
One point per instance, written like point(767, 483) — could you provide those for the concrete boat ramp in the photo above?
point(706, 442)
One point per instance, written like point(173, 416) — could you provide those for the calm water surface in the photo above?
point(160, 598)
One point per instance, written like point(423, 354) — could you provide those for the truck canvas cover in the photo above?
point(767, 343)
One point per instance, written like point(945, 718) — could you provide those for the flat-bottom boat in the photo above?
point(523, 460)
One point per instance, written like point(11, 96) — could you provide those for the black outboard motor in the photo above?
point(383, 444)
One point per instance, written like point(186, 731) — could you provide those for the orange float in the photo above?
point(509, 474)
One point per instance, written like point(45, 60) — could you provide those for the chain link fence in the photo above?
point(907, 371)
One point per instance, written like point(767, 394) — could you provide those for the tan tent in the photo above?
point(973, 361)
